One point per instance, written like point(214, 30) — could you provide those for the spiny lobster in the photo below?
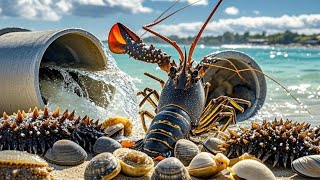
point(181, 109)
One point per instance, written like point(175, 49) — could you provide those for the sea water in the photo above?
point(98, 94)
point(296, 68)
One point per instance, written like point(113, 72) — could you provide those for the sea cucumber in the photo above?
point(36, 131)
point(278, 141)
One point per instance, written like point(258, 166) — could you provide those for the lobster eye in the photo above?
point(173, 70)
point(195, 73)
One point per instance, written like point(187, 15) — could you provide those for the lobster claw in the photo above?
point(118, 37)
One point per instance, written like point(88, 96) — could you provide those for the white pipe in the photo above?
point(21, 54)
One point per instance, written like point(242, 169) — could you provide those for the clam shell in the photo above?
point(203, 165)
point(185, 151)
point(23, 165)
point(66, 153)
point(251, 170)
point(114, 130)
point(133, 163)
point(105, 144)
point(211, 145)
point(308, 166)
point(103, 166)
point(170, 169)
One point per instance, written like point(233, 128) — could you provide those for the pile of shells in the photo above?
point(277, 142)
point(308, 166)
point(102, 166)
point(133, 163)
point(22, 165)
point(66, 153)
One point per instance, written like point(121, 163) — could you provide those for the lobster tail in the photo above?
point(122, 40)
point(170, 125)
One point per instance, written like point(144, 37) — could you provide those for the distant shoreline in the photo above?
point(244, 45)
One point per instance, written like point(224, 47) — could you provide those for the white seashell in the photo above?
point(185, 151)
point(251, 170)
point(203, 165)
point(308, 166)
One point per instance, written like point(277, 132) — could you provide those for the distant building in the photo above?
point(312, 42)
point(257, 41)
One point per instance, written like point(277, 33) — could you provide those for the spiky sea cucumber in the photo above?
point(277, 142)
point(36, 131)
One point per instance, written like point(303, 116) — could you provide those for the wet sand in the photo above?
point(77, 172)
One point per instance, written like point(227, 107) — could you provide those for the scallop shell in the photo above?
point(103, 166)
point(203, 165)
point(211, 145)
point(67, 153)
point(308, 166)
point(185, 151)
point(23, 165)
point(105, 144)
point(133, 163)
point(251, 170)
point(170, 169)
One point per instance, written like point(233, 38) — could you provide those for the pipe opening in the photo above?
point(75, 50)
point(227, 83)
point(70, 65)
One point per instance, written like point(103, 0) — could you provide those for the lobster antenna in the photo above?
point(166, 17)
point(162, 15)
point(194, 43)
point(173, 43)
point(251, 69)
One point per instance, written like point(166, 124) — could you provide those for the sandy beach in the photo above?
point(77, 172)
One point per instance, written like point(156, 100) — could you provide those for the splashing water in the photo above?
point(98, 94)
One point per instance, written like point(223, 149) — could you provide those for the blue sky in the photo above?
point(97, 16)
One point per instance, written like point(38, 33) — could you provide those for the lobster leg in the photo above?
point(215, 111)
point(148, 98)
point(142, 114)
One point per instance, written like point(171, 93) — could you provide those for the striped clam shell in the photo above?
point(211, 145)
point(185, 151)
point(67, 153)
point(133, 163)
point(23, 165)
point(102, 166)
point(105, 144)
point(251, 170)
point(170, 169)
point(308, 166)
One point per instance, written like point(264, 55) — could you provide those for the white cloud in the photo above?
point(231, 10)
point(303, 24)
point(256, 12)
point(201, 2)
point(53, 10)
